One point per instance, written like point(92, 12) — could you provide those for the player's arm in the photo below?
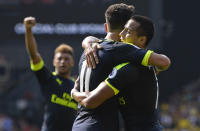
point(107, 89)
point(115, 82)
point(31, 45)
point(91, 46)
point(94, 98)
point(78, 96)
point(75, 94)
point(160, 61)
point(137, 55)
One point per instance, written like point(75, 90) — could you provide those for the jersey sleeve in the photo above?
point(132, 54)
point(121, 76)
point(38, 66)
point(41, 72)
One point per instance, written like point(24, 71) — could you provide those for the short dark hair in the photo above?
point(117, 15)
point(145, 28)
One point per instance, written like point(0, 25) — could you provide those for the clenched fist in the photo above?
point(29, 22)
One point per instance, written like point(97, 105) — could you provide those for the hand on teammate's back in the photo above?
point(29, 22)
point(76, 85)
point(91, 54)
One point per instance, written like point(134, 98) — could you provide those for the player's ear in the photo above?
point(106, 27)
point(142, 41)
point(72, 62)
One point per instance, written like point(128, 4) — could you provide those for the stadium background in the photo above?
point(69, 21)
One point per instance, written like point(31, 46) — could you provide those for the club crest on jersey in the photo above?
point(113, 73)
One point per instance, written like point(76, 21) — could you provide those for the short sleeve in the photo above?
point(38, 66)
point(42, 73)
point(132, 54)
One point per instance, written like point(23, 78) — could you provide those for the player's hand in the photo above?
point(91, 54)
point(29, 22)
point(76, 85)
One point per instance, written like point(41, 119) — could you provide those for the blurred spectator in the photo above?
point(182, 111)
point(6, 123)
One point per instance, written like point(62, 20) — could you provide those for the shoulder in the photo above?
point(124, 70)
point(129, 69)
point(44, 71)
point(72, 80)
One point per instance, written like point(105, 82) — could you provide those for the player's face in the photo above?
point(63, 62)
point(129, 33)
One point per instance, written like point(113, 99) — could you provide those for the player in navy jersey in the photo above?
point(136, 85)
point(60, 109)
point(105, 117)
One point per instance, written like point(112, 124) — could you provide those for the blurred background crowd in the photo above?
point(69, 21)
point(181, 111)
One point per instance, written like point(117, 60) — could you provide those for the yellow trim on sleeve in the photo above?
point(112, 87)
point(145, 60)
point(121, 65)
point(54, 73)
point(73, 79)
point(128, 43)
point(100, 41)
point(117, 67)
point(109, 40)
point(37, 66)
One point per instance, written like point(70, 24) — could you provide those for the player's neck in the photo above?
point(64, 75)
point(113, 36)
